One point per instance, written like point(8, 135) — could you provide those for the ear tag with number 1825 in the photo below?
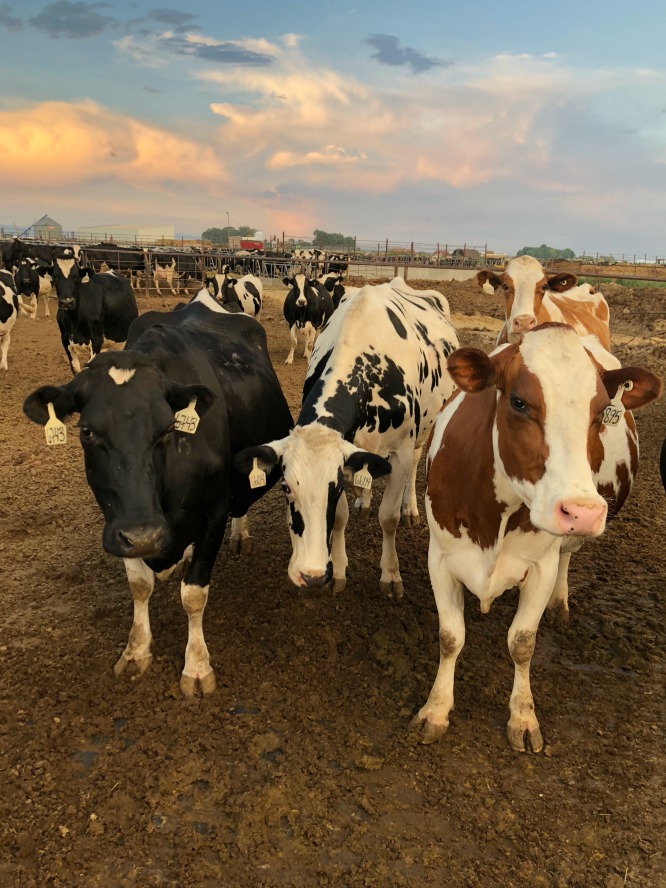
point(187, 420)
point(363, 478)
point(257, 476)
point(615, 410)
point(55, 431)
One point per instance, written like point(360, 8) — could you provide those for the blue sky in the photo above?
point(507, 123)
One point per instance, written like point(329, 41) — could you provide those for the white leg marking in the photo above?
point(389, 518)
point(410, 508)
point(179, 568)
point(292, 334)
point(240, 542)
point(5, 339)
point(197, 660)
point(557, 610)
point(47, 311)
point(338, 551)
point(76, 366)
point(450, 601)
point(141, 582)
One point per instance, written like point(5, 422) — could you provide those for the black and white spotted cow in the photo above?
point(166, 493)
point(32, 280)
point(245, 292)
point(92, 307)
point(307, 308)
point(376, 381)
point(9, 309)
point(334, 283)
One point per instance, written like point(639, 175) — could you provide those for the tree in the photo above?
point(332, 241)
point(222, 235)
point(545, 252)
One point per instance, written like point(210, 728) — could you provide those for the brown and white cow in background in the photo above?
point(532, 432)
point(532, 298)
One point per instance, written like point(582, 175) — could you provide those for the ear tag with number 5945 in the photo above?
point(55, 431)
point(187, 420)
point(257, 476)
point(363, 478)
point(615, 410)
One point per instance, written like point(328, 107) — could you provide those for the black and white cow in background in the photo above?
point(166, 494)
point(334, 283)
point(246, 292)
point(307, 307)
point(9, 308)
point(126, 260)
point(176, 267)
point(376, 381)
point(32, 280)
point(92, 307)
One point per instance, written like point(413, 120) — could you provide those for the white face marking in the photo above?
point(299, 281)
point(120, 376)
point(66, 266)
point(525, 272)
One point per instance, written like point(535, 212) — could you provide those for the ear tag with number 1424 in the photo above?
point(257, 476)
point(187, 420)
point(55, 431)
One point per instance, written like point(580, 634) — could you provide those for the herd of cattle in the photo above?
point(530, 449)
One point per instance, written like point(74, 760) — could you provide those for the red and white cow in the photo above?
point(534, 433)
point(534, 298)
point(167, 272)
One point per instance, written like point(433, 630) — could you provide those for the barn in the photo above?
point(132, 232)
point(46, 229)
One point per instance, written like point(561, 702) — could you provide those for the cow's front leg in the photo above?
point(5, 340)
point(141, 582)
point(432, 720)
point(240, 541)
point(522, 728)
point(294, 342)
point(557, 609)
point(410, 508)
point(389, 518)
point(338, 551)
point(194, 596)
point(363, 502)
point(28, 308)
point(47, 311)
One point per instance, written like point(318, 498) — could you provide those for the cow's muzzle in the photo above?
point(144, 540)
point(317, 579)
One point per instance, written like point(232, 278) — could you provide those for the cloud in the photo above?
point(74, 20)
point(86, 143)
point(223, 53)
point(173, 18)
point(7, 20)
point(389, 53)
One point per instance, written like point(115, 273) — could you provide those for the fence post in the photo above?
point(386, 250)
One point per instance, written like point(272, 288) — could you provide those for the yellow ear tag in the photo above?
point(257, 476)
point(55, 431)
point(615, 410)
point(363, 478)
point(187, 420)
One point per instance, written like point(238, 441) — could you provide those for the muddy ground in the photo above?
point(299, 771)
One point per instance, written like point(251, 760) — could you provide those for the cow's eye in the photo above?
point(518, 404)
point(286, 488)
point(86, 433)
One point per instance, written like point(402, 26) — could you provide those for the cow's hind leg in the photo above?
point(389, 518)
point(240, 541)
point(363, 503)
point(5, 339)
point(410, 508)
point(338, 550)
point(294, 342)
point(141, 582)
point(432, 720)
point(523, 729)
point(47, 311)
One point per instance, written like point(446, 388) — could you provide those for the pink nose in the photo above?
point(580, 518)
point(523, 323)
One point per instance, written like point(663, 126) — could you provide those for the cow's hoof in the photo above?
point(138, 666)
point(426, 731)
point(363, 512)
point(523, 739)
point(339, 584)
point(207, 683)
point(240, 546)
point(557, 615)
point(392, 589)
point(411, 520)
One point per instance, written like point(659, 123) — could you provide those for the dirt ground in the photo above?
point(299, 771)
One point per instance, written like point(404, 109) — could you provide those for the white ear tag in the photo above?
point(187, 420)
point(257, 476)
point(55, 431)
point(615, 410)
point(363, 478)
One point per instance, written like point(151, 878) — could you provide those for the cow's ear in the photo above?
point(560, 283)
point(642, 387)
point(44, 269)
point(471, 369)
point(330, 283)
point(488, 277)
point(179, 397)
point(376, 465)
point(63, 398)
point(266, 455)
point(286, 281)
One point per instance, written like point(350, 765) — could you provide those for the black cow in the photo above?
point(126, 260)
point(92, 307)
point(43, 253)
point(166, 494)
point(32, 280)
point(173, 266)
point(333, 281)
point(307, 307)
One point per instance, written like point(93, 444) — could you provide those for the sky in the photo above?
point(508, 123)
